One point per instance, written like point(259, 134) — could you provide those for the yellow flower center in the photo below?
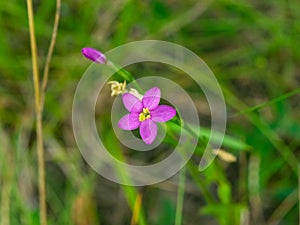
point(144, 115)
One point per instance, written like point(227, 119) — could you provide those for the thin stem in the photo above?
point(265, 129)
point(194, 172)
point(283, 208)
point(39, 132)
point(180, 197)
point(50, 52)
point(123, 73)
point(137, 209)
point(268, 103)
point(129, 191)
point(33, 55)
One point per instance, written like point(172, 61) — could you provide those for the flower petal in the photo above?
point(148, 131)
point(129, 121)
point(151, 98)
point(132, 103)
point(162, 113)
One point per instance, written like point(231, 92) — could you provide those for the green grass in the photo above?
point(253, 49)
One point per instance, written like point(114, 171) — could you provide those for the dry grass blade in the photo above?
point(50, 51)
point(226, 156)
point(39, 131)
point(286, 205)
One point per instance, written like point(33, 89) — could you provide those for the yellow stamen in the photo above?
point(144, 115)
point(117, 88)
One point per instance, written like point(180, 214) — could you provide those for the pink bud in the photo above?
point(94, 55)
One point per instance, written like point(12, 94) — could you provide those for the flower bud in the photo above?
point(94, 55)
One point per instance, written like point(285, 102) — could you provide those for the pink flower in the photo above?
point(94, 55)
point(145, 114)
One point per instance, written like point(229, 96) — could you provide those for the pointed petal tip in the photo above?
point(163, 113)
point(148, 141)
point(148, 131)
point(129, 122)
point(151, 98)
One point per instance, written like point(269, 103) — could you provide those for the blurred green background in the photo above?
point(253, 48)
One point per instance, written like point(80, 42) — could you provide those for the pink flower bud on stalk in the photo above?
point(99, 58)
point(144, 111)
point(94, 55)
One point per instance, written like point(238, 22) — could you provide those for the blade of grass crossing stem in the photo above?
point(180, 197)
point(265, 129)
point(268, 103)
point(136, 209)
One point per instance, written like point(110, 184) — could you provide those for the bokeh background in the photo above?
point(253, 48)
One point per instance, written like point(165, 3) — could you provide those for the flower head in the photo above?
point(94, 55)
point(145, 113)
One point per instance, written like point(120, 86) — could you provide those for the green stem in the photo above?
point(130, 192)
point(265, 129)
point(194, 172)
point(124, 74)
point(180, 197)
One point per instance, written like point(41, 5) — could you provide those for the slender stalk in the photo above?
point(137, 209)
point(180, 197)
point(50, 52)
point(283, 149)
point(194, 172)
point(268, 103)
point(123, 73)
point(283, 209)
point(129, 191)
point(39, 132)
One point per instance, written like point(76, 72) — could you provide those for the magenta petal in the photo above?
point(151, 98)
point(162, 113)
point(129, 121)
point(132, 103)
point(148, 131)
point(94, 55)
